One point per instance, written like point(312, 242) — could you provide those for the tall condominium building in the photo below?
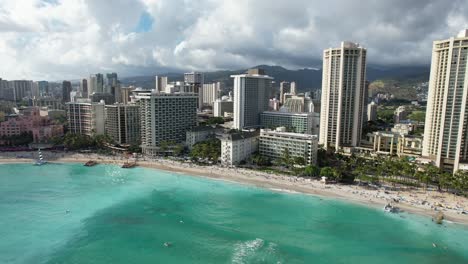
point(43, 88)
point(35, 90)
point(125, 93)
point(285, 87)
point(196, 80)
point(96, 84)
point(86, 118)
point(84, 88)
point(400, 114)
point(165, 117)
point(295, 104)
point(20, 88)
point(92, 85)
point(445, 134)
point(123, 123)
point(66, 90)
point(211, 92)
point(110, 82)
point(5, 92)
point(343, 92)
point(372, 111)
point(293, 88)
point(303, 123)
point(251, 98)
point(274, 144)
point(161, 83)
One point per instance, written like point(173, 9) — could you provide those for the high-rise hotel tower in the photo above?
point(445, 134)
point(343, 96)
point(251, 98)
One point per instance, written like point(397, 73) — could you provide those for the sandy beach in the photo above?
point(416, 201)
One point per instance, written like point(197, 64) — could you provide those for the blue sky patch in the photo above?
point(145, 23)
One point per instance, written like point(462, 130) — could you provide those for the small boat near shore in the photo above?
point(390, 208)
point(90, 163)
point(40, 161)
point(128, 165)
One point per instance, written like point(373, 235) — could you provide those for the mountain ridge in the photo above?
point(307, 79)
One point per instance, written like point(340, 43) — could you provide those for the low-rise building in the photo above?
point(221, 107)
point(404, 128)
point(391, 143)
point(198, 134)
point(274, 143)
point(49, 102)
point(123, 123)
point(238, 147)
point(303, 123)
point(41, 127)
point(86, 118)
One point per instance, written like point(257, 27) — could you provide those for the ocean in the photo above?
point(68, 213)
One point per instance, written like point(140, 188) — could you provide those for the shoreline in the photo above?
point(408, 200)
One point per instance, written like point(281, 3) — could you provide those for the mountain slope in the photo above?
point(306, 79)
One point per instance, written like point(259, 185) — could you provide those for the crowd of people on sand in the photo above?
point(416, 198)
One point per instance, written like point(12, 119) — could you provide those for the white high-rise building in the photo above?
point(196, 81)
point(251, 98)
point(285, 87)
point(123, 123)
point(372, 111)
point(343, 95)
point(86, 118)
point(161, 83)
point(92, 85)
point(165, 118)
point(446, 128)
point(293, 88)
point(211, 93)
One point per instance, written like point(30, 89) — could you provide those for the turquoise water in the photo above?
point(67, 213)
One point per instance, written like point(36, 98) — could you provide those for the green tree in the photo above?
point(209, 149)
point(260, 160)
point(215, 120)
point(327, 172)
point(460, 181)
point(100, 141)
point(286, 158)
point(311, 171)
point(299, 161)
point(178, 149)
point(134, 148)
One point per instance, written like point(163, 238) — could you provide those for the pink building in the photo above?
point(30, 120)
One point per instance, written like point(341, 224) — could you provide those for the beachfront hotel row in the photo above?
point(257, 118)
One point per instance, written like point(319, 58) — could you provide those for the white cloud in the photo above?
point(69, 39)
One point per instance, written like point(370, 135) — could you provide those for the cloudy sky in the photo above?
point(68, 39)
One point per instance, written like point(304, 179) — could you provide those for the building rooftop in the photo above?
point(201, 128)
point(254, 73)
point(241, 135)
point(279, 132)
point(287, 113)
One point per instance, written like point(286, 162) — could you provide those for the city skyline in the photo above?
point(62, 40)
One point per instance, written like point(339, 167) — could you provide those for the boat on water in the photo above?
point(40, 160)
point(128, 165)
point(390, 208)
point(90, 163)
